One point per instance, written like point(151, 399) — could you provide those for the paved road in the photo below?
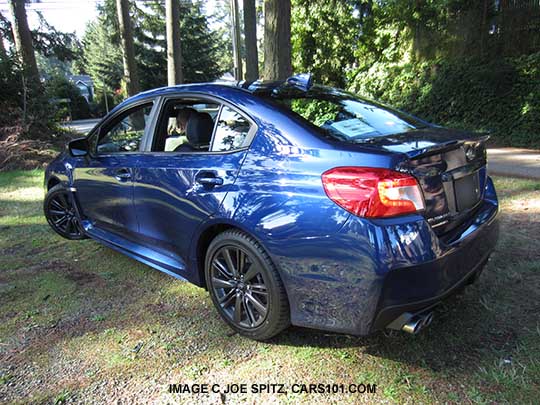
point(514, 162)
point(82, 126)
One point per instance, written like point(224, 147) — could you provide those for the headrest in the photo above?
point(184, 113)
point(199, 129)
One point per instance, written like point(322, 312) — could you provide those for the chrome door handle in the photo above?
point(210, 181)
point(122, 175)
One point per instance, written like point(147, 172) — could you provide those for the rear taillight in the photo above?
point(373, 192)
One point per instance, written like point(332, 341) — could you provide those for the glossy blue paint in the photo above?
point(166, 187)
point(338, 269)
point(106, 198)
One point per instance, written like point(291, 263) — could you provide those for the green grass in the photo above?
point(80, 322)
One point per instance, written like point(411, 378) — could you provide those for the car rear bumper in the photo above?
point(418, 288)
point(363, 278)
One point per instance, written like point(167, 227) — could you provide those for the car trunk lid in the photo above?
point(450, 167)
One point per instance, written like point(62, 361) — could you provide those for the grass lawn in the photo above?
point(80, 322)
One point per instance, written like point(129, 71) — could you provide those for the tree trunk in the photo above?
point(235, 22)
point(2, 48)
point(483, 28)
point(174, 50)
point(250, 35)
point(277, 39)
point(23, 40)
point(131, 77)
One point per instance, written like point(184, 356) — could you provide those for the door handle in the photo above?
point(208, 179)
point(122, 175)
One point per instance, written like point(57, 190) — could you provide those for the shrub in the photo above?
point(500, 97)
point(58, 87)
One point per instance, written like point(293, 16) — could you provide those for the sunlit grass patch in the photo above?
point(39, 303)
point(20, 179)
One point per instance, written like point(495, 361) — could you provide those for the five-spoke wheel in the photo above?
point(245, 286)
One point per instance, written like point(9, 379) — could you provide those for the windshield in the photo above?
point(346, 116)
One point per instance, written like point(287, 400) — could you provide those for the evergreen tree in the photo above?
point(23, 42)
point(100, 58)
point(324, 38)
point(201, 47)
point(250, 39)
point(131, 74)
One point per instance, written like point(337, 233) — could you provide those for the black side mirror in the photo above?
point(78, 147)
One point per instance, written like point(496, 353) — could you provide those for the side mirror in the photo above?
point(78, 147)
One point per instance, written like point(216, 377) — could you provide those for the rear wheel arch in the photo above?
point(204, 240)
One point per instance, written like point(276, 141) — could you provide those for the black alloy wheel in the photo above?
point(239, 286)
point(61, 215)
point(245, 286)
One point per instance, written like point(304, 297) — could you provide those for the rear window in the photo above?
point(346, 116)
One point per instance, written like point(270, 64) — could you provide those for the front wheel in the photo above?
point(60, 213)
point(245, 286)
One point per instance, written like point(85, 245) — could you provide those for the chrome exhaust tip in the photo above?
point(413, 326)
point(428, 319)
point(417, 323)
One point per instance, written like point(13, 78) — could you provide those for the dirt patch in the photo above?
point(159, 308)
point(57, 266)
point(503, 339)
point(39, 339)
point(12, 250)
point(80, 278)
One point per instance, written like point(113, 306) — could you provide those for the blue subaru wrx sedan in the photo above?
point(291, 203)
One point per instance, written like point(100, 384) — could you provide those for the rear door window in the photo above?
point(172, 129)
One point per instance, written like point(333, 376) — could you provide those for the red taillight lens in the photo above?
point(373, 192)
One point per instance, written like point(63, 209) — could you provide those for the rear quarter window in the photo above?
point(232, 131)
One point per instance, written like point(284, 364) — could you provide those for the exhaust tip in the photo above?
point(417, 323)
point(412, 327)
point(428, 319)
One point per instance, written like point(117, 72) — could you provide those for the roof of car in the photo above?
point(247, 87)
point(300, 82)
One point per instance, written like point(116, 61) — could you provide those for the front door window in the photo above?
point(126, 133)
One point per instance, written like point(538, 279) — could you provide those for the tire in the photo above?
point(61, 214)
point(245, 286)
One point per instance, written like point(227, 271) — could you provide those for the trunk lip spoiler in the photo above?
point(443, 147)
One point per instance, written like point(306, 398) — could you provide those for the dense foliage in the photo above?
point(324, 36)
point(470, 64)
point(59, 88)
point(498, 97)
point(28, 125)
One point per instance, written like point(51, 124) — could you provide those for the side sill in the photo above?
point(130, 249)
